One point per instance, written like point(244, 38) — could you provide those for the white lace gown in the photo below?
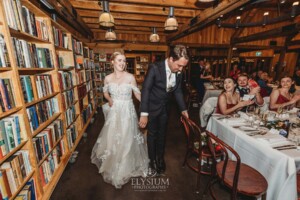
point(120, 151)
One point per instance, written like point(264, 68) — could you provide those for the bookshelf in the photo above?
point(47, 99)
point(102, 68)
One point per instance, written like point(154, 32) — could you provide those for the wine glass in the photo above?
point(280, 110)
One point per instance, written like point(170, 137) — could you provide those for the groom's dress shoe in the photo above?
point(152, 169)
point(160, 166)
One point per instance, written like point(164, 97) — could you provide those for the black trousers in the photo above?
point(156, 135)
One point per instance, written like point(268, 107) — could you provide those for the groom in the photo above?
point(162, 79)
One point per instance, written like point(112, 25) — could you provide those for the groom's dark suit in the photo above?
point(154, 101)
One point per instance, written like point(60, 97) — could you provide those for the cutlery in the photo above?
point(292, 146)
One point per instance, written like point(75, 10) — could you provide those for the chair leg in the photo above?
point(264, 197)
point(185, 158)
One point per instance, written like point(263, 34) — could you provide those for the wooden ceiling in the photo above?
point(134, 18)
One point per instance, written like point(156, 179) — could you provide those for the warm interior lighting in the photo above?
point(265, 18)
point(154, 37)
point(171, 23)
point(238, 21)
point(110, 35)
point(206, 0)
point(294, 8)
point(106, 19)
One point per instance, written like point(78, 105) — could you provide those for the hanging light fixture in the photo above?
point(294, 8)
point(171, 23)
point(106, 19)
point(110, 34)
point(238, 21)
point(265, 18)
point(154, 37)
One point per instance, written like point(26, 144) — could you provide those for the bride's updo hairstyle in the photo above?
point(113, 57)
point(115, 54)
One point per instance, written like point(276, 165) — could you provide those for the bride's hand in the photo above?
point(110, 103)
point(143, 121)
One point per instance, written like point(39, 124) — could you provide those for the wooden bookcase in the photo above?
point(102, 68)
point(60, 77)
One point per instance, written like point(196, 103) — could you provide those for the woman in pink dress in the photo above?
point(284, 96)
point(229, 101)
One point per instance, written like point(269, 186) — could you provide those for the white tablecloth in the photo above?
point(278, 167)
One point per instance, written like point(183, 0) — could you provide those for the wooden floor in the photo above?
point(81, 181)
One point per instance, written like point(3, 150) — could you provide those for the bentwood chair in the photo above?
point(192, 97)
point(238, 177)
point(198, 156)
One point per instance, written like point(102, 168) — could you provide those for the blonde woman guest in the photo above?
point(284, 96)
point(120, 151)
point(229, 100)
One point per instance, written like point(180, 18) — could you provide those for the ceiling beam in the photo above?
point(129, 23)
point(137, 9)
point(130, 16)
point(188, 4)
point(208, 16)
point(273, 33)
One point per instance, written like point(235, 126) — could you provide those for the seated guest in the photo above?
point(265, 89)
point(296, 77)
point(284, 96)
point(206, 74)
point(235, 71)
point(229, 100)
point(244, 88)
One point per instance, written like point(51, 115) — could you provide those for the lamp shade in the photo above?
point(171, 24)
point(154, 37)
point(106, 19)
point(110, 35)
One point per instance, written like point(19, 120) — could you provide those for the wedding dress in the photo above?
point(120, 151)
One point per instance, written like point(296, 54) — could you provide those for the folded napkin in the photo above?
point(243, 115)
point(234, 121)
point(274, 140)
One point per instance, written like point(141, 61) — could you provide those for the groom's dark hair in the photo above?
point(178, 51)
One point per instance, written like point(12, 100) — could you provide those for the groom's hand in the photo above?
point(185, 113)
point(143, 121)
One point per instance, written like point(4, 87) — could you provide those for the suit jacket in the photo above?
point(154, 94)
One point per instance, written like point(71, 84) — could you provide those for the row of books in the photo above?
point(77, 46)
point(51, 163)
point(12, 133)
point(13, 172)
point(86, 113)
point(88, 75)
point(65, 80)
point(19, 17)
point(7, 100)
point(45, 140)
point(28, 192)
point(68, 99)
point(41, 112)
point(101, 75)
point(4, 58)
point(72, 134)
point(30, 56)
point(89, 85)
point(80, 77)
point(70, 115)
point(43, 85)
point(88, 64)
point(86, 52)
point(81, 91)
point(78, 62)
point(61, 39)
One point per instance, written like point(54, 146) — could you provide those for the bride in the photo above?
point(120, 151)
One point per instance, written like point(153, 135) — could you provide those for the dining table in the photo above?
point(258, 149)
